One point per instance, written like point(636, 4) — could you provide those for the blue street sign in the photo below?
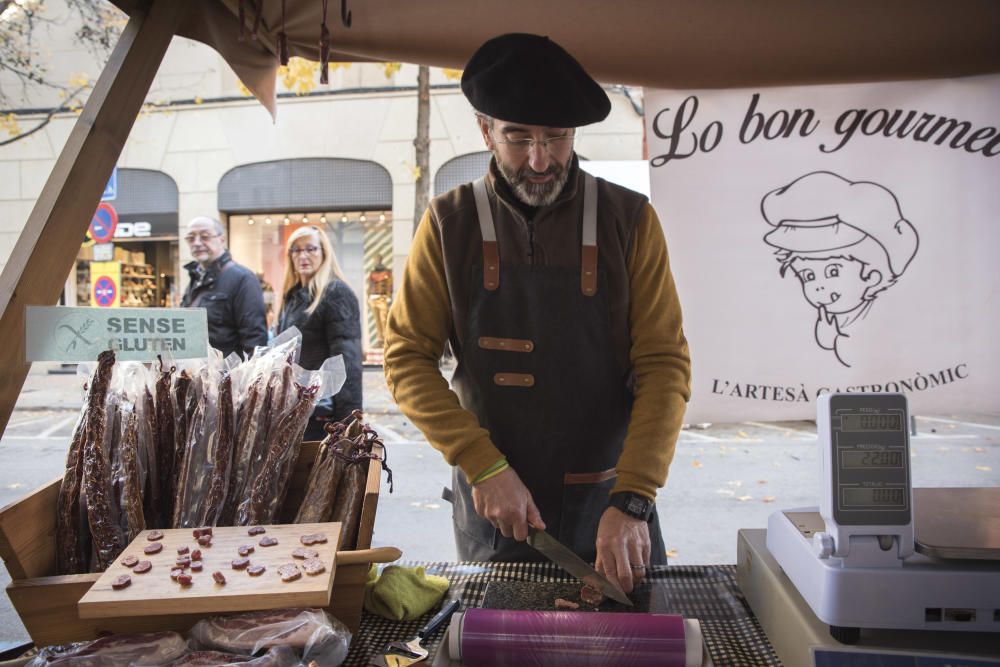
point(111, 189)
point(104, 291)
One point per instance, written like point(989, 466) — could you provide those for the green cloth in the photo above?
point(403, 593)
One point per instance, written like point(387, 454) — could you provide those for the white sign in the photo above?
point(104, 252)
point(130, 230)
point(61, 333)
point(833, 238)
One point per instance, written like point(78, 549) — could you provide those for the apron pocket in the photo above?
point(585, 497)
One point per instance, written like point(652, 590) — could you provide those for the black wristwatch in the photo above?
point(634, 505)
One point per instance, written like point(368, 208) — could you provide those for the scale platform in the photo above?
point(795, 632)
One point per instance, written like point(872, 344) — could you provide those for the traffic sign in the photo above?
point(102, 225)
point(105, 291)
point(111, 189)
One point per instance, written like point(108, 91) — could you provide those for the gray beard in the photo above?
point(534, 194)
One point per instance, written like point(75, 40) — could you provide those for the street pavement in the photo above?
point(724, 476)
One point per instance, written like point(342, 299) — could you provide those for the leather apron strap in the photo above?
point(588, 259)
point(491, 250)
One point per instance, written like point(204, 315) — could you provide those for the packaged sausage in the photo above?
point(313, 634)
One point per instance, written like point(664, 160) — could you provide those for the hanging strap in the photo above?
point(588, 259)
point(491, 251)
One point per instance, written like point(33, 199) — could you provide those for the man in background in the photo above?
point(230, 292)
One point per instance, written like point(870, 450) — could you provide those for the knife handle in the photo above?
point(439, 618)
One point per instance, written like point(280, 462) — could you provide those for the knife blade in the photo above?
point(562, 556)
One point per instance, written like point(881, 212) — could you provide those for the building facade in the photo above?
point(339, 156)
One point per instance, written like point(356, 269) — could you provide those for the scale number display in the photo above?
point(853, 458)
point(879, 421)
point(874, 497)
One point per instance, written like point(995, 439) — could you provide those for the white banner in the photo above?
point(833, 238)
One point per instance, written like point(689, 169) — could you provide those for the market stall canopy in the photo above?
point(656, 43)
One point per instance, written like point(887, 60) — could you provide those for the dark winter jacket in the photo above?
point(232, 295)
point(333, 328)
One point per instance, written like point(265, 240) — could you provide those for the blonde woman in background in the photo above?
point(315, 298)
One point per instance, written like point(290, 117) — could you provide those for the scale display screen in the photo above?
point(874, 497)
point(853, 458)
point(865, 444)
point(871, 422)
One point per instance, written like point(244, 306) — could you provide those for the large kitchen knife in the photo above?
point(559, 554)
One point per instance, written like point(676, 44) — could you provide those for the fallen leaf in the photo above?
point(979, 450)
point(696, 464)
point(743, 499)
point(768, 499)
point(984, 468)
point(762, 481)
point(671, 553)
point(743, 434)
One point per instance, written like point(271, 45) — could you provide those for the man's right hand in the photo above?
point(505, 501)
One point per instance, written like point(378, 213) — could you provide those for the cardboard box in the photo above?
point(47, 602)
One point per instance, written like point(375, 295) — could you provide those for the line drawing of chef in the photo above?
point(846, 241)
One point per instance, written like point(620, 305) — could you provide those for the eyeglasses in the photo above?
point(309, 249)
point(522, 146)
point(203, 237)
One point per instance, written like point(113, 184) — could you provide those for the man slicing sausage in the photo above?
point(555, 292)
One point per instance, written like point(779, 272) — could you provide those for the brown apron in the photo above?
point(539, 373)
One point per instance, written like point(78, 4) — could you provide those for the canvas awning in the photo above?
point(658, 43)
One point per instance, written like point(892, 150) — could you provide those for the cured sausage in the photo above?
point(246, 423)
point(182, 386)
point(131, 501)
point(324, 479)
point(165, 444)
point(96, 474)
point(350, 497)
point(223, 455)
point(70, 558)
point(267, 489)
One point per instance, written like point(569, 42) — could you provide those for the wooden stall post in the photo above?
point(44, 254)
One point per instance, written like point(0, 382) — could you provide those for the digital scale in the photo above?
point(875, 554)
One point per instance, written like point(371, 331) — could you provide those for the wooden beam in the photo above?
point(50, 241)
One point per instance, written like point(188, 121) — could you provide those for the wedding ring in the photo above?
point(638, 567)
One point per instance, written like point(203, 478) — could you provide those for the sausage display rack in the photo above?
point(47, 603)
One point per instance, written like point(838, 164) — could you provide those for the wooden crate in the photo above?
point(47, 603)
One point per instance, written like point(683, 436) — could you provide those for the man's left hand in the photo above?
point(623, 548)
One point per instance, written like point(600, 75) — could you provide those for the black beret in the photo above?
point(530, 79)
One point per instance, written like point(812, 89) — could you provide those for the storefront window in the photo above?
point(258, 242)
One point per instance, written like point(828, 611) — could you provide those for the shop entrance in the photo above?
point(358, 238)
point(351, 200)
point(130, 259)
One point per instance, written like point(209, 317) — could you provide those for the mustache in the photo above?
point(528, 172)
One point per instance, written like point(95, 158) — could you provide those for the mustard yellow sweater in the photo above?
point(420, 321)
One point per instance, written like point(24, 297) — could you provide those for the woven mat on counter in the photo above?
point(705, 592)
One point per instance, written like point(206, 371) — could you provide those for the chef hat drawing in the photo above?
point(822, 211)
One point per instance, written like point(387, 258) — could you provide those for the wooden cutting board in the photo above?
point(155, 593)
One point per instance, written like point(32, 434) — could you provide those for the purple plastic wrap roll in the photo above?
point(503, 637)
